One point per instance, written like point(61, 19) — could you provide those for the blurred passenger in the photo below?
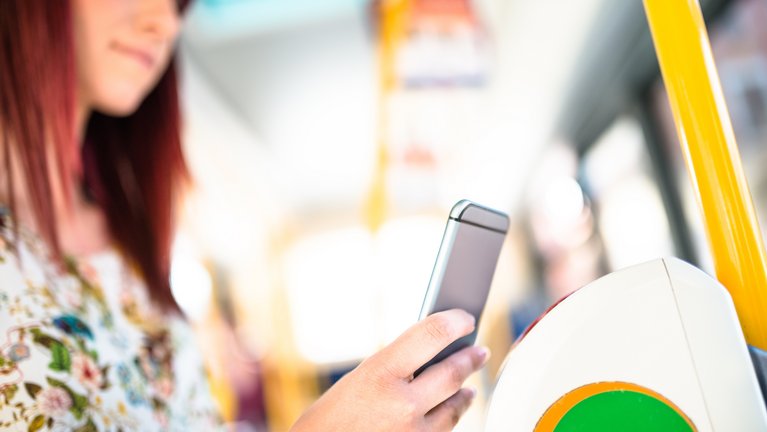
point(565, 259)
point(91, 168)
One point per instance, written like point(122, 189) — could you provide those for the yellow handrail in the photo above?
point(392, 21)
point(707, 139)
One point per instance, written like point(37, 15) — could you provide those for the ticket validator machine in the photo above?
point(660, 346)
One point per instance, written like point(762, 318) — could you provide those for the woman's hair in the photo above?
point(132, 167)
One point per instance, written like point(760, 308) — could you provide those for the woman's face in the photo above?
point(122, 49)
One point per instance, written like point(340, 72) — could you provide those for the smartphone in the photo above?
point(465, 266)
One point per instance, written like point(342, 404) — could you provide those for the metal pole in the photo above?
point(708, 142)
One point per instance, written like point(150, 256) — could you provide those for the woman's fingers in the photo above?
point(445, 416)
point(421, 342)
point(440, 381)
point(380, 394)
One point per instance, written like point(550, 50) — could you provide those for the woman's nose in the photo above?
point(159, 18)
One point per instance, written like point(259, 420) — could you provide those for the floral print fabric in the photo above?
point(82, 348)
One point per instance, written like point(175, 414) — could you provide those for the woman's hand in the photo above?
point(381, 394)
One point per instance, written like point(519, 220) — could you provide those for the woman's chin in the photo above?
point(119, 109)
point(119, 104)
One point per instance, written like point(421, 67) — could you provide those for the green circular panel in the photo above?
point(624, 411)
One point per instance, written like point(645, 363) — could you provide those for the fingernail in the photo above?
point(484, 354)
point(472, 392)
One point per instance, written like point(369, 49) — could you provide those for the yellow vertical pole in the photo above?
point(392, 15)
point(707, 139)
point(289, 382)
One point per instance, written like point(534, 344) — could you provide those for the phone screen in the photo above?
point(465, 267)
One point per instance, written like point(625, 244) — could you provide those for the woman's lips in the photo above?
point(140, 55)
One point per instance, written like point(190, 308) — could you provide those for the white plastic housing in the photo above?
point(664, 325)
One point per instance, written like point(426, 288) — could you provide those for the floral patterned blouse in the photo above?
point(83, 349)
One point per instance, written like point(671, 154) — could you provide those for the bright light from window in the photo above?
point(563, 203)
point(617, 155)
point(190, 281)
point(330, 291)
point(631, 215)
point(634, 224)
point(405, 253)
point(351, 292)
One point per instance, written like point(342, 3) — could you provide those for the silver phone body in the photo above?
point(465, 267)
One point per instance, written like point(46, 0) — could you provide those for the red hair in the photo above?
point(132, 166)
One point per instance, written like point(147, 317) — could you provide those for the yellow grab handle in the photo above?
point(707, 139)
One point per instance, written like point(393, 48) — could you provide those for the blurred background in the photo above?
point(329, 139)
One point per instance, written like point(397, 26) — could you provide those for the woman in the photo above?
point(91, 165)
